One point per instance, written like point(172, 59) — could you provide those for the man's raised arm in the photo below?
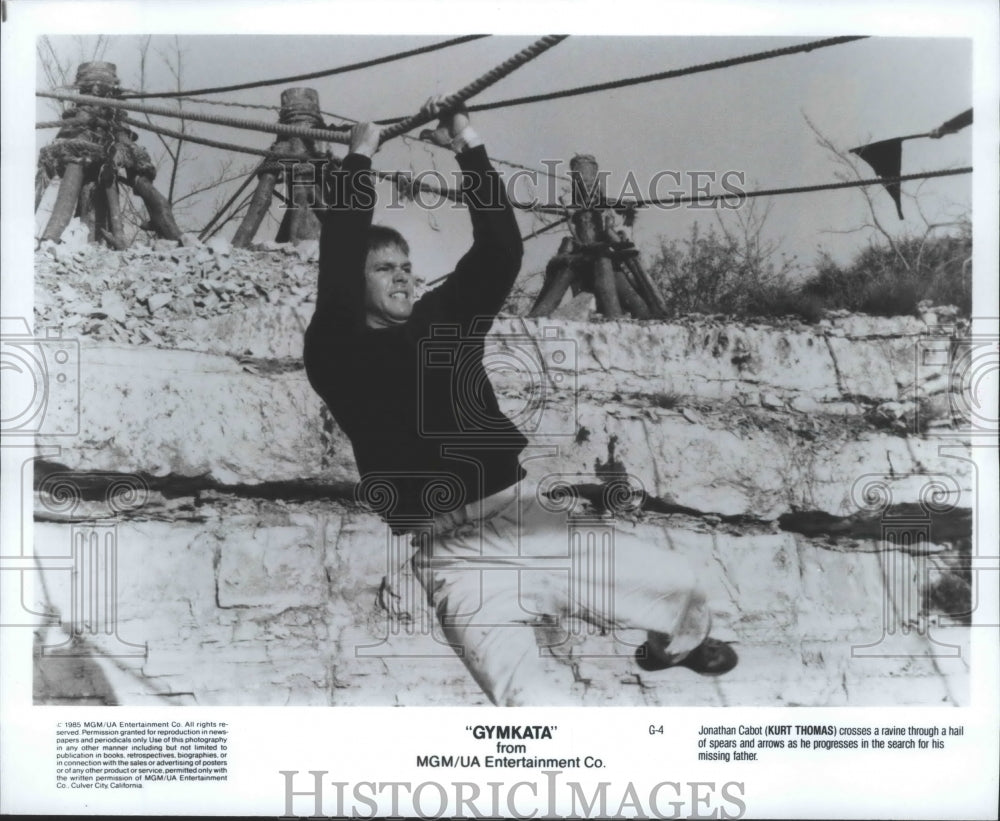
point(349, 199)
point(484, 276)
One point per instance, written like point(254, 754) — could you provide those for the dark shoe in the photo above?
point(710, 658)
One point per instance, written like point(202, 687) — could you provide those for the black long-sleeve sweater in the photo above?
point(414, 398)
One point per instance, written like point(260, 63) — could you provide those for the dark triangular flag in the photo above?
point(886, 158)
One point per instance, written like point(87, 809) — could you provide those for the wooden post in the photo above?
point(299, 106)
point(559, 275)
point(160, 214)
point(75, 186)
point(100, 79)
point(95, 199)
point(586, 262)
point(258, 208)
point(42, 180)
point(581, 264)
point(66, 201)
point(88, 209)
point(588, 190)
point(644, 284)
point(83, 190)
point(303, 223)
point(646, 287)
point(97, 78)
point(630, 298)
point(115, 234)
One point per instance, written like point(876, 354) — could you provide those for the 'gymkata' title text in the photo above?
point(527, 731)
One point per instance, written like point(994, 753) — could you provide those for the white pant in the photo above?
point(496, 567)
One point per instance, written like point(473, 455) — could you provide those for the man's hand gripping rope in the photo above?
point(452, 129)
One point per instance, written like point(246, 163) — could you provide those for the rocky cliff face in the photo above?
point(781, 458)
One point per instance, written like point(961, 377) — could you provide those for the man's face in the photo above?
point(388, 287)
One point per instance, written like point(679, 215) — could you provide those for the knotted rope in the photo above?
point(322, 134)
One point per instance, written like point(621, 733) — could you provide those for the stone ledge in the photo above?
point(795, 610)
point(184, 414)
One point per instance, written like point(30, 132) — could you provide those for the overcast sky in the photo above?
point(750, 119)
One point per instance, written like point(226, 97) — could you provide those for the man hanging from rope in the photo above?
point(431, 442)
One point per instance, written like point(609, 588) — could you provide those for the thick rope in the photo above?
point(510, 164)
point(745, 195)
point(350, 121)
point(663, 75)
point(180, 135)
point(227, 103)
point(214, 119)
point(278, 156)
point(561, 209)
point(710, 198)
point(472, 89)
point(312, 75)
point(304, 132)
point(55, 156)
point(802, 189)
point(244, 149)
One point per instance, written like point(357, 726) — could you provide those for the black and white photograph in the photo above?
point(627, 397)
